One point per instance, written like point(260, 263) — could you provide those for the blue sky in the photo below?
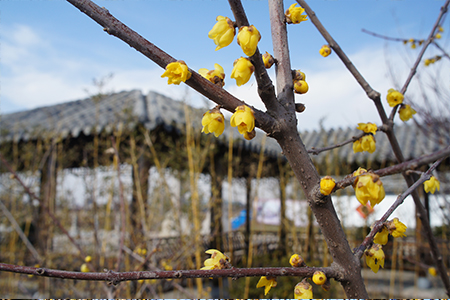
point(50, 52)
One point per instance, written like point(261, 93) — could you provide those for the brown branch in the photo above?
point(399, 168)
point(379, 224)
point(116, 28)
point(117, 277)
point(382, 36)
point(266, 89)
point(444, 53)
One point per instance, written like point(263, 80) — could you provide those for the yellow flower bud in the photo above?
point(243, 119)
point(300, 87)
point(294, 14)
point(242, 70)
point(268, 60)
point(216, 76)
point(88, 259)
point(368, 187)
point(213, 121)
point(431, 185)
point(394, 97)
point(267, 283)
point(303, 290)
point(406, 112)
point(438, 35)
point(432, 271)
point(248, 38)
point(222, 32)
point(177, 72)
point(327, 184)
point(375, 257)
point(319, 277)
point(298, 75)
point(296, 261)
point(325, 50)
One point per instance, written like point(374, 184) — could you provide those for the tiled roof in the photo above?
point(129, 108)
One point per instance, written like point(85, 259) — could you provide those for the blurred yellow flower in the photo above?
point(218, 260)
point(375, 257)
point(394, 97)
point(432, 271)
point(248, 38)
point(177, 72)
point(216, 76)
point(294, 14)
point(222, 32)
point(84, 268)
point(243, 119)
point(431, 185)
point(325, 50)
point(327, 184)
point(242, 70)
point(267, 283)
point(406, 112)
point(368, 187)
point(303, 290)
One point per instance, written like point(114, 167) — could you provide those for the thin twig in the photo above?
point(117, 277)
point(122, 205)
point(316, 151)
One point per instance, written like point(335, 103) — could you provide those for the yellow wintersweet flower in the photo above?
point(268, 60)
point(213, 121)
point(438, 35)
point(394, 97)
point(368, 127)
point(176, 72)
point(294, 14)
point(440, 29)
point(432, 271)
point(381, 237)
point(243, 119)
point(216, 76)
point(358, 172)
point(396, 228)
point(319, 277)
point(327, 184)
point(300, 86)
point(296, 261)
point(431, 185)
point(218, 260)
point(248, 38)
point(242, 70)
point(406, 112)
point(88, 259)
point(84, 268)
point(368, 187)
point(267, 283)
point(298, 75)
point(325, 50)
point(366, 143)
point(222, 32)
point(375, 257)
point(303, 290)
